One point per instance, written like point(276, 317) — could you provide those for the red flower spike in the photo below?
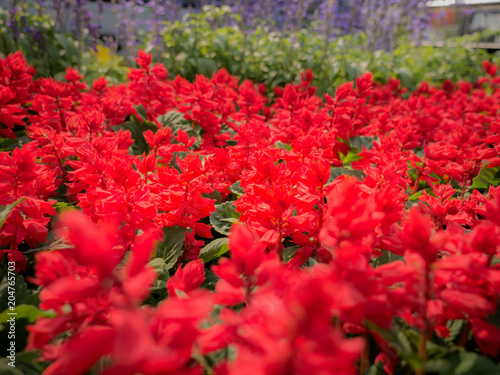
point(246, 250)
point(186, 279)
point(489, 68)
point(487, 337)
point(416, 236)
point(82, 352)
point(93, 246)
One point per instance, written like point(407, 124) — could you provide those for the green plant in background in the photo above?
point(51, 51)
point(456, 59)
point(35, 35)
point(103, 62)
point(216, 38)
point(212, 39)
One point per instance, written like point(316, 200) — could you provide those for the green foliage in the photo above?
point(462, 363)
point(215, 38)
point(6, 210)
point(339, 171)
point(21, 291)
point(48, 50)
point(376, 369)
point(400, 339)
point(166, 256)
point(214, 249)
point(141, 111)
point(487, 177)
point(137, 129)
point(7, 144)
point(26, 310)
point(28, 363)
point(211, 279)
point(289, 252)
point(103, 62)
point(174, 120)
point(170, 249)
point(5, 369)
point(237, 189)
point(51, 51)
point(223, 218)
point(161, 268)
point(386, 258)
point(455, 327)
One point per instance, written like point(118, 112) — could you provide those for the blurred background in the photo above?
point(268, 41)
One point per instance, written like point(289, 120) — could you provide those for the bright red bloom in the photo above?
point(186, 279)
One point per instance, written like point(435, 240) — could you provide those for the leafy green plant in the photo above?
point(213, 39)
point(35, 35)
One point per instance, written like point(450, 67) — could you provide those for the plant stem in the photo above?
point(464, 189)
point(426, 332)
point(417, 181)
point(464, 336)
point(422, 351)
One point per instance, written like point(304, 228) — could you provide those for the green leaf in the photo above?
point(360, 141)
point(179, 155)
point(223, 218)
point(20, 288)
point(137, 129)
point(211, 280)
point(61, 206)
point(487, 177)
point(289, 252)
point(214, 249)
point(171, 119)
point(462, 363)
point(495, 317)
point(141, 111)
point(455, 327)
point(415, 196)
point(161, 269)
point(170, 249)
point(376, 369)
point(215, 195)
point(385, 258)
point(5, 369)
point(6, 210)
point(494, 262)
point(10, 144)
point(283, 146)
point(397, 340)
point(28, 312)
point(29, 364)
point(25, 315)
point(352, 71)
point(206, 66)
point(237, 189)
point(352, 155)
point(32, 299)
point(339, 171)
point(405, 75)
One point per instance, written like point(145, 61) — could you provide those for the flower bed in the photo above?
point(208, 228)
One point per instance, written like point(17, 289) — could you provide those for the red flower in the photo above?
point(186, 279)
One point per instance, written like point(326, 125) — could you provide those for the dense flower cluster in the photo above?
point(331, 248)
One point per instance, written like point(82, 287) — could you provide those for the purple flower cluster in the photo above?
point(385, 20)
point(381, 20)
point(69, 16)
